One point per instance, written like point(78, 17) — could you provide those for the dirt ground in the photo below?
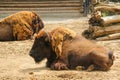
point(16, 64)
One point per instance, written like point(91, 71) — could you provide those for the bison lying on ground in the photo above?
point(76, 52)
point(20, 26)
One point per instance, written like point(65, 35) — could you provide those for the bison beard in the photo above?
point(20, 26)
point(76, 52)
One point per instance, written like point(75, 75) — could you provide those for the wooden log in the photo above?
point(109, 20)
point(109, 37)
point(97, 20)
point(104, 4)
point(103, 31)
point(110, 9)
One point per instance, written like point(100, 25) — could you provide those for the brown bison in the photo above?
point(76, 52)
point(20, 26)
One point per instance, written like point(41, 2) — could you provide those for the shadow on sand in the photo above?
point(37, 69)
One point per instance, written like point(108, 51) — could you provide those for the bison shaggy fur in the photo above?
point(20, 26)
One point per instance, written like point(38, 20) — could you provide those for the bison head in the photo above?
point(37, 23)
point(42, 48)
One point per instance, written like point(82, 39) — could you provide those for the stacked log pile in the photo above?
point(103, 28)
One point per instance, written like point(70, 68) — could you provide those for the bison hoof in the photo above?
point(91, 68)
point(79, 68)
point(59, 66)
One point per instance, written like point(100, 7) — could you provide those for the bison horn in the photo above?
point(48, 37)
point(41, 33)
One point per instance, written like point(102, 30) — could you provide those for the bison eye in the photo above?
point(42, 38)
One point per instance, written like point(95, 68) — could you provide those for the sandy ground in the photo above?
point(16, 64)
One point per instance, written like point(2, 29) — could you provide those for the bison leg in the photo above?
point(101, 66)
point(59, 65)
point(104, 67)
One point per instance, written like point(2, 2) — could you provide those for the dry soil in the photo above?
point(16, 64)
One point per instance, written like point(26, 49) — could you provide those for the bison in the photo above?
point(75, 52)
point(20, 26)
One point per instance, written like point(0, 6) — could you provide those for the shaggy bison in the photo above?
point(75, 52)
point(20, 26)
